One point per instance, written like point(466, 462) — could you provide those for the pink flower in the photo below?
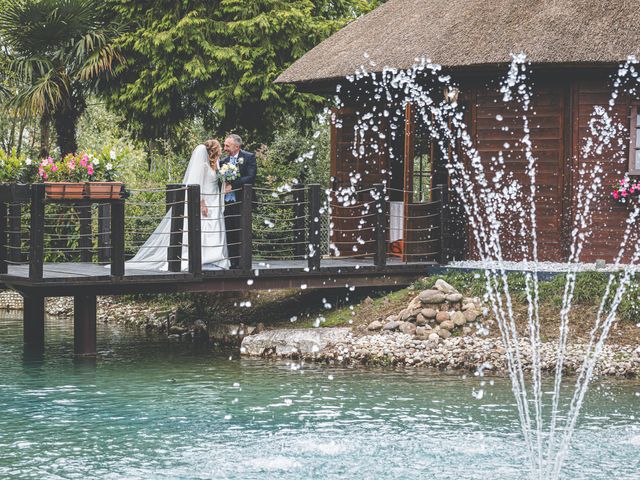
point(54, 168)
point(72, 164)
point(90, 170)
point(41, 172)
point(623, 193)
point(84, 161)
point(615, 194)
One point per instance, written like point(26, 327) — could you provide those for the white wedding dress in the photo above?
point(153, 254)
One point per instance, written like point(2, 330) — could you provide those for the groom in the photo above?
point(246, 163)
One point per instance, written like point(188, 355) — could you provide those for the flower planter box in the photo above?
point(104, 190)
point(64, 190)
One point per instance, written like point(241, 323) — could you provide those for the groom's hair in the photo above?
point(236, 138)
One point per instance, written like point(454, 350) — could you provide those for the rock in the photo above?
point(442, 317)
point(434, 337)
point(444, 333)
point(444, 287)
point(431, 296)
point(392, 318)
point(447, 324)
point(375, 326)
point(177, 330)
point(467, 306)
point(229, 334)
point(421, 331)
point(404, 315)
point(454, 297)
point(458, 319)
point(429, 312)
point(391, 326)
point(200, 331)
point(466, 330)
point(174, 337)
point(368, 301)
point(421, 320)
point(259, 328)
point(415, 303)
point(470, 315)
point(408, 328)
point(294, 341)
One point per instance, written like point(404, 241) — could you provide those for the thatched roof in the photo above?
point(462, 33)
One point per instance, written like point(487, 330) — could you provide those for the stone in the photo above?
point(467, 306)
point(447, 325)
point(294, 341)
point(415, 303)
point(429, 313)
point(454, 297)
point(434, 337)
point(421, 320)
point(421, 331)
point(259, 328)
point(470, 315)
point(431, 296)
point(391, 326)
point(466, 330)
point(375, 326)
point(404, 315)
point(458, 319)
point(444, 287)
point(442, 317)
point(444, 333)
point(177, 330)
point(368, 301)
point(392, 318)
point(200, 331)
point(408, 328)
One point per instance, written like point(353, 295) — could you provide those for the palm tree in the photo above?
point(59, 50)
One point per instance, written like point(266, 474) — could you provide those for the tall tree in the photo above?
point(58, 50)
point(218, 59)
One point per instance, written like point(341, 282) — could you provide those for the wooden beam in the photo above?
point(104, 232)
point(314, 222)
point(246, 218)
point(117, 238)
point(84, 324)
point(409, 152)
point(194, 229)
point(299, 233)
point(33, 321)
point(36, 235)
point(175, 203)
point(380, 258)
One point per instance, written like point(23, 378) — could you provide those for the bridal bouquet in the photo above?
point(228, 172)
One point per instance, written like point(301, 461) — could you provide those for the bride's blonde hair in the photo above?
point(214, 150)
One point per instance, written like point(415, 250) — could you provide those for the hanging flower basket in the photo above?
point(104, 190)
point(625, 190)
point(64, 190)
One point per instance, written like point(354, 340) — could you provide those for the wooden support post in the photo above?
point(4, 266)
point(36, 235)
point(175, 203)
point(194, 229)
point(84, 324)
point(85, 242)
point(33, 321)
point(117, 238)
point(246, 218)
point(15, 229)
point(299, 233)
point(313, 251)
point(380, 258)
point(440, 196)
point(104, 232)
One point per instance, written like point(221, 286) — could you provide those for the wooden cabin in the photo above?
point(574, 46)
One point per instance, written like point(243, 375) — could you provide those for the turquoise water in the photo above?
point(146, 408)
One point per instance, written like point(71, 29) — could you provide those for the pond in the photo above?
point(148, 408)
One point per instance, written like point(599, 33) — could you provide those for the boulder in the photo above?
point(429, 313)
point(415, 303)
point(434, 337)
point(421, 320)
point(293, 341)
point(442, 317)
point(454, 297)
point(467, 306)
point(458, 319)
point(368, 301)
point(431, 296)
point(470, 315)
point(375, 326)
point(444, 333)
point(408, 328)
point(404, 315)
point(444, 287)
point(392, 318)
point(391, 326)
point(447, 325)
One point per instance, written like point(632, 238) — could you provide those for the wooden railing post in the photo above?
point(246, 230)
point(440, 196)
point(15, 232)
point(194, 229)
point(299, 236)
point(175, 203)
point(4, 266)
point(117, 238)
point(315, 223)
point(36, 234)
point(84, 242)
point(104, 232)
point(380, 258)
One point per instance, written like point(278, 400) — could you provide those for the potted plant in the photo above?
point(624, 190)
point(102, 182)
point(63, 179)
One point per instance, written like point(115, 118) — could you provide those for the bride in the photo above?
point(202, 170)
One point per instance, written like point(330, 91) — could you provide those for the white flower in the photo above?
point(95, 161)
point(28, 161)
point(240, 161)
point(109, 167)
point(112, 154)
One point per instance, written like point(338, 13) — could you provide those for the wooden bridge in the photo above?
point(287, 239)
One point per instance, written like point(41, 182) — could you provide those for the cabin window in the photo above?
point(421, 175)
point(634, 146)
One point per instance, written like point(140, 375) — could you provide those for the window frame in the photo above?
point(633, 139)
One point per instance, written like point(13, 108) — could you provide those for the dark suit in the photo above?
point(246, 163)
